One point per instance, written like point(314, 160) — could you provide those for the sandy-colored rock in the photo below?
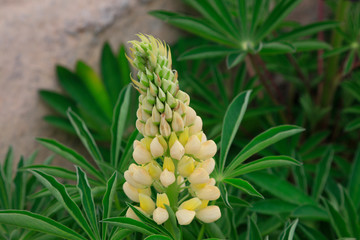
point(37, 34)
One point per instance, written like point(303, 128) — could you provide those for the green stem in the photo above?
point(201, 233)
point(331, 81)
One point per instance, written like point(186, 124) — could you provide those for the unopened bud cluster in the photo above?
point(174, 156)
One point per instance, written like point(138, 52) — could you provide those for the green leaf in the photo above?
point(6, 179)
point(132, 224)
point(120, 234)
point(35, 222)
point(253, 232)
point(123, 66)
point(311, 233)
point(337, 222)
point(263, 163)
point(322, 173)
point(280, 188)
point(60, 122)
point(220, 84)
point(85, 136)
point(20, 187)
point(224, 194)
point(243, 186)
point(157, 237)
point(192, 25)
point(336, 51)
point(118, 126)
point(257, 14)
point(175, 229)
point(87, 200)
point(95, 86)
point(70, 155)
point(76, 89)
point(354, 179)
point(280, 11)
point(352, 216)
point(231, 123)
point(234, 59)
point(107, 201)
point(57, 172)
point(289, 232)
point(110, 73)
point(349, 62)
point(313, 141)
point(310, 45)
point(59, 192)
point(126, 155)
point(262, 141)
point(272, 207)
point(307, 30)
point(353, 125)
point(276, 48)
point(210, 51)
point(310, 212)
point(58, 102)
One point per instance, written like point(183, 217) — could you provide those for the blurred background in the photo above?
point(38, 34)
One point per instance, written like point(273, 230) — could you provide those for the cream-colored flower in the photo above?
point(167, 178)
point(177, 150)
point(209, 214)
point(141, 155)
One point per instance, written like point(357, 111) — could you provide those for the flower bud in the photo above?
point(190, 116)
point(141, 155)
point(177, 123)
point(160, 215)
point(150, 98)
point(168, 113)
point(184, 136)
point(209, 214)
point(131, 192)
point(162, 200)
point(208, 193)
point(153, 89)
point(138, 113)
point(165, 129)
point(155, 116)
point(128, 177)
point(185, 216)
point(173, 138)
point(167, 178)
point(140, 126)
point(183, 96)
point(170, 100)
point(193, 145)
point(181, 109)
point(154, 170)
point(208, 164)
point(140, 175)
point(177, 150)
point(146, 203)
point(186, 166)
point(159, 105)
point(136, 143)
point(207, 150)
point(156, 148)
point(131, 214)
point(196, 127)
point(161, 95)
point(146, 141)
point(146, 106)
point(168, 164)
point(150, 128)
point(191, 204)
point(199, 176)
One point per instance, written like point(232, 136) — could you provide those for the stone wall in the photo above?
point(37, 34)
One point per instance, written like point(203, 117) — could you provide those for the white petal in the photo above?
point(209, 214)
point(160, 215)
point(167, 178)
point(185, 216)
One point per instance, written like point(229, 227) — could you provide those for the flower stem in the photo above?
point(201, 233)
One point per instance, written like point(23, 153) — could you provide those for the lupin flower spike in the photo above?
point(174, 157)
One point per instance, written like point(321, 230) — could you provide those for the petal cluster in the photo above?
point(174, 158)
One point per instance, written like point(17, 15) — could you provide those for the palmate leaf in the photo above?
point(312, 212)
point(57, 101)
point(280, 188)
point(157, 237)
point(70, 155)
point(353, 125)
point(337, 222)
point(85, 137)
point(272, 206)
point(107, 202)
point(87, 200)
point(209, 51)
point(95, 86)
point(243, 186)
point(20, 187)
point(35, 222)
point(121, 112)
point(289, 232)
point(354, 180)
point(310, 45)
point(322, 173)
point(253, 232)
point(276, 48)
point(123, 66)
point(59, 192)
point(110, 73)
point(231, 123)
point(234, 59)
point(131, 224)
point(263, 163)
point(60, 122)
point(262, 141)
